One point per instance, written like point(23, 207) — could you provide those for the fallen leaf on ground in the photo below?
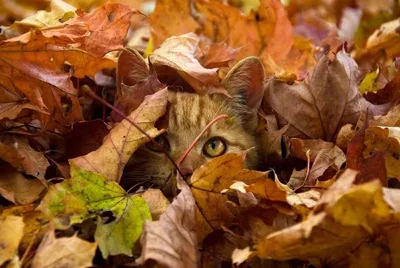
point(385, 140)
point(385, 38)
point(310, 239)
point(16, 188)
point(370, 167)
point(327, 100)
point(10, 240)
point(122, 141)
point(59, 13)
point(208, 181)
point(135, 81)
point(178, 52)
point(17, 151)
point(64, 252)
point(171, 241)
point(87, 194)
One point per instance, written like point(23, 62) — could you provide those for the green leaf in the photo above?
point(87, 195)
point(369, 83)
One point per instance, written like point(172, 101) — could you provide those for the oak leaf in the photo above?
point(63, 252)
point(110, 158)
point(171, 241)
point(87, 194)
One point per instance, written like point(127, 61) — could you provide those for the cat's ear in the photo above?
point(246, 81)
point(131, 68)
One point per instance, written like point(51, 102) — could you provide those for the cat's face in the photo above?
point(187, 115)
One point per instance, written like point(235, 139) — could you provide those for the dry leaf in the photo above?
point(17, 151)
point(64, 252)
point(157, 202)
point(178, 52)
point(350, 213)
point(122, 141)
point(10, 240)
point(386, 38)
point(16, 188)
point(208, 181)
point(327, 100)
point(171, 241)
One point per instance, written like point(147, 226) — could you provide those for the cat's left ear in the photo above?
point(246, 80)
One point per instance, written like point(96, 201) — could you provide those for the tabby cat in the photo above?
point(188, 114)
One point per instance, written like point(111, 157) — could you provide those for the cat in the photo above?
point(187, 115)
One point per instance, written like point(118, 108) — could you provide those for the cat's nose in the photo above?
point(186, 172)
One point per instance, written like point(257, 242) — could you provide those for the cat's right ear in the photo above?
point(246, 80)
point(131, 67)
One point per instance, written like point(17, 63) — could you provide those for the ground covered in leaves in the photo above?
point(330, 127)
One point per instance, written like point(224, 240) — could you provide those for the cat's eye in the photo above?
point(214, 147)
point(161, 141)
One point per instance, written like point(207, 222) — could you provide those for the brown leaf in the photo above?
point(178, 52)
point(64, 252)
point(386, 141)
point(171, 241)
point(210, 181)
point(322, 154)
point(385, 38)
point(16, 188)
point(157, 202)
point(217, 55)
point(86, 136)
point(327, 100)
point(17, 151)
point(10, 240)
point(109, 160)
point(135, 80)
point(350, 213)
point(372, 167)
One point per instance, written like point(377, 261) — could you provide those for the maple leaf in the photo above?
point(39, 64)
point(351, 213)
point(171, 241)
point(64, 252)
point(209, 182)
point(372, 167)
point(10, 240)
point(322, 154)
point(266, 33)
point(178, 52)
point(110, 158)
point(385, 140)
point(87, 194)
point(327, 100)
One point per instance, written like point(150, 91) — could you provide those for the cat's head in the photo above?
point(188, 114)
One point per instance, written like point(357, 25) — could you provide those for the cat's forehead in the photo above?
point(191, 112)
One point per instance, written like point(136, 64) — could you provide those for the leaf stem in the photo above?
point(308, 153)
point(222, 116)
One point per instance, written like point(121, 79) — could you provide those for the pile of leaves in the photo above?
point(83, 83)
